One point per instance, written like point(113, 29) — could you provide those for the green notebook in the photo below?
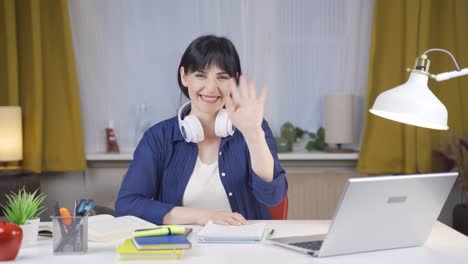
point(127, 251)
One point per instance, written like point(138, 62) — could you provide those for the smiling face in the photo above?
point(207, 88)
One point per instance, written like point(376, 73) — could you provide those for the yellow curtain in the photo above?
point(37, 72)
point(402, 30)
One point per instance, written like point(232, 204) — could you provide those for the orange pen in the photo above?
point(66, 214)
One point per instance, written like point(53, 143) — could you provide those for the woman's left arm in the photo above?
point(260, 155)
point(267, 192)
point(268, 178)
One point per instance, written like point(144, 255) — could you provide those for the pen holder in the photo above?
point(70, 235)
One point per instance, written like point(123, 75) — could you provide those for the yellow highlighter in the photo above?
point(160, 231)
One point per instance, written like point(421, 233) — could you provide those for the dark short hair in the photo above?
point(206, 51)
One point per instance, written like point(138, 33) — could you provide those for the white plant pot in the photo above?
point(300, 144)
point(30, 232)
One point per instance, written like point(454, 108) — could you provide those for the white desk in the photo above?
point(443, 246)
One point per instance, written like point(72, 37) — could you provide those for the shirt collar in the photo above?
point(226, 139)
point(176, 134)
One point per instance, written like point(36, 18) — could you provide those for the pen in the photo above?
point(59, 220)
point(81, 207)
point(89, 207)
point(75, 203)
point(65, 215)
point(56, 209)
point(271, 233)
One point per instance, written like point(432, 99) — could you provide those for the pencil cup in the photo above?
point(70, 235)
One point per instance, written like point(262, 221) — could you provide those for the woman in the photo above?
point(220, 173)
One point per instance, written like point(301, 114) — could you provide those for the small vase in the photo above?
point(30, 232)
point(300, 144)
point(288, 131)
point(143, 122)
point(283, 145)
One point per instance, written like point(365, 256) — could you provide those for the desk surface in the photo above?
point(444, 245)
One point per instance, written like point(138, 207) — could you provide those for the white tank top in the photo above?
point(205, 189)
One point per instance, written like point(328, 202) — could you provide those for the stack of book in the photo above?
point(162, 243)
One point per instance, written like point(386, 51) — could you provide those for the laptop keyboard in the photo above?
point(312, 245)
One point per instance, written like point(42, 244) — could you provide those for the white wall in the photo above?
point(127, 53)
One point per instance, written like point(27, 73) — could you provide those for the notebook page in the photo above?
point(214, 232)
point(108, 228)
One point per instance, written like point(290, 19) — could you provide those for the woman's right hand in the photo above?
point(223, 218)
point(180, 215)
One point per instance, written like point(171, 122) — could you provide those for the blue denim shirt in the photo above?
point(163, 163)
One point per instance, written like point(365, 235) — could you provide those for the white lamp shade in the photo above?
point(339, 119)
point(11, 135)
point(412, 103)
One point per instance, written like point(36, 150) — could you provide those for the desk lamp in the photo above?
point(11, 136)
point(412, 102)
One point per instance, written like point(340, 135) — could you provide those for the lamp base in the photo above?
point(339, 149)
point(11, 170)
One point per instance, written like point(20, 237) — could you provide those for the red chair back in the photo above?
point(280, 211)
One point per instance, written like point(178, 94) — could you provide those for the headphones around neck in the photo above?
point(192, 129)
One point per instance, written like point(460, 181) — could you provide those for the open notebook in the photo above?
point(105, 228)
point(213, 233)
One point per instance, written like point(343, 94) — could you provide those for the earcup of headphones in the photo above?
point(191, 129)
point(223, 125)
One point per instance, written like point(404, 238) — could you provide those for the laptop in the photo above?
point(378, 213)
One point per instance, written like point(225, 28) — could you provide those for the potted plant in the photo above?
point(453, 156)
point(24, 208)
point(287, 138)
point(292, 136)
point(318, 141)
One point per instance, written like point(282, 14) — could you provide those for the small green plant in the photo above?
point(318, 141)
point(290, 134)
point(300, 133)
point(23, 206)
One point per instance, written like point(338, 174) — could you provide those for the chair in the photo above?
point(279, 211)
point(99, 209)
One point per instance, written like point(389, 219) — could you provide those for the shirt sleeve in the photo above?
point(270, 193)
point(140, 188)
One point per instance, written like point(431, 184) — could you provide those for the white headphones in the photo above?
point(192, 130)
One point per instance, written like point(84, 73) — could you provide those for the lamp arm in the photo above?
point(446, 75)
point(445, 51)
point(449, 75)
